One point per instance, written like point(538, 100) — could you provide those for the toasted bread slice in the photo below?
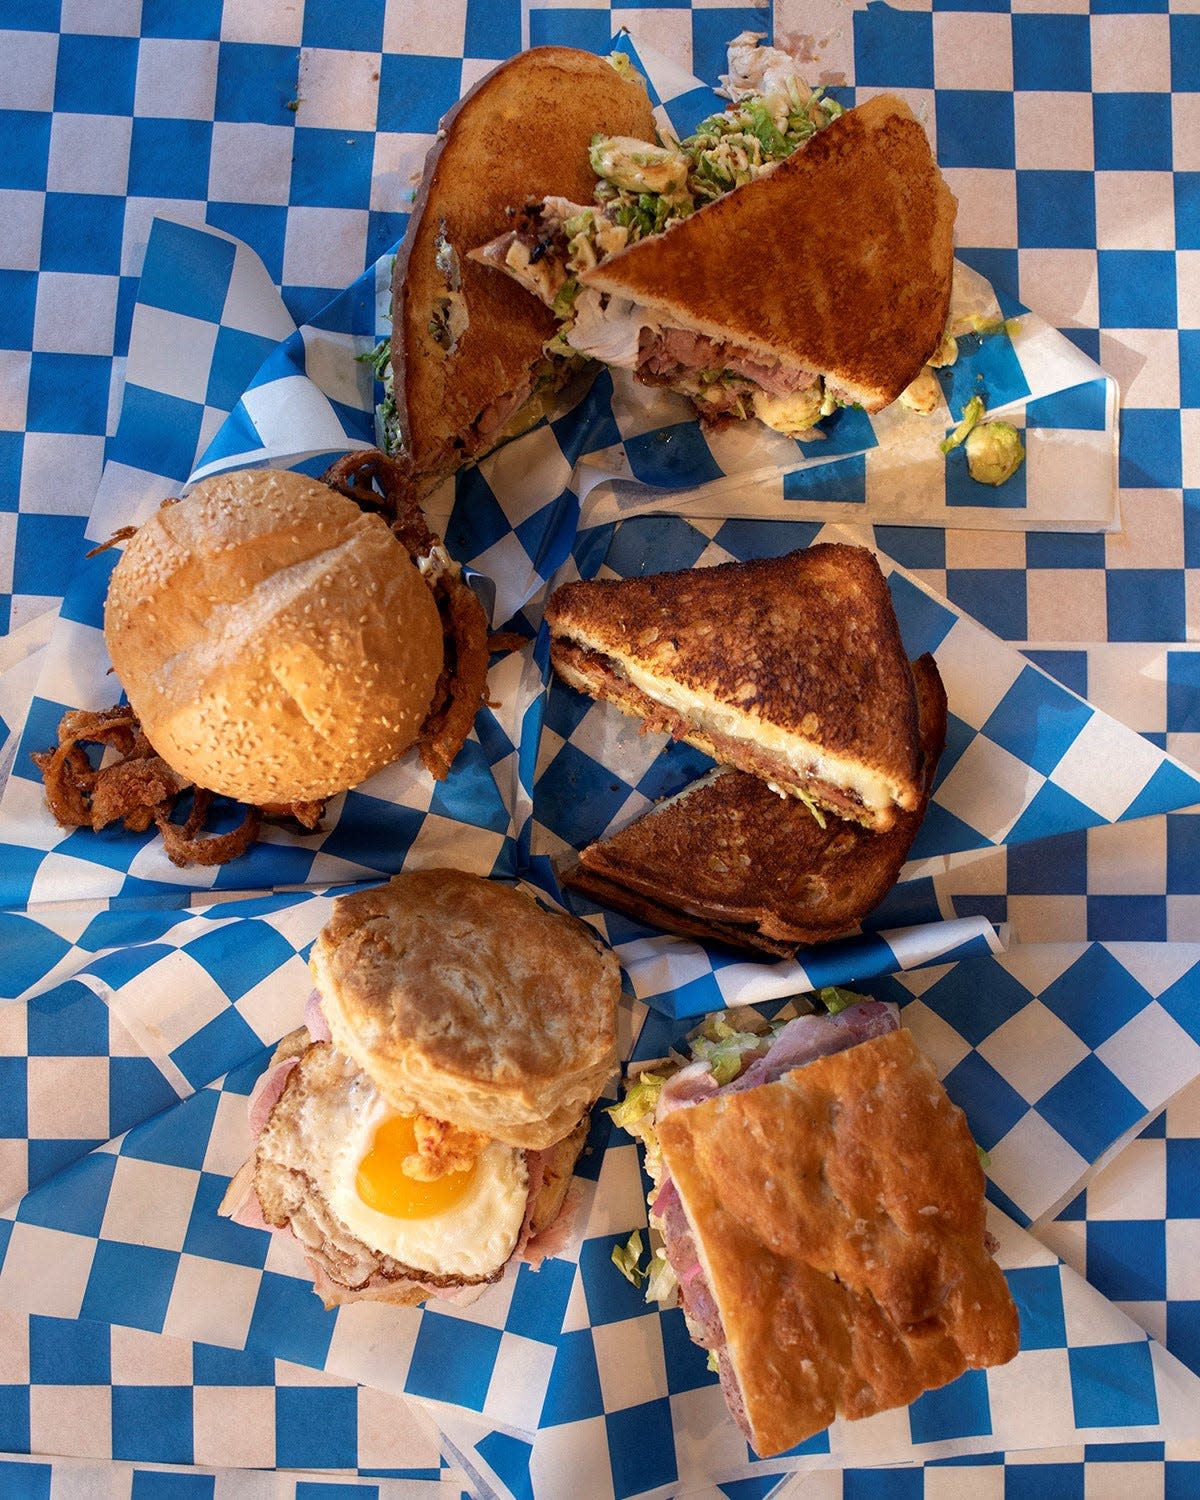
point(729, 860)
point(790, 668)
point(837, 261)
point(466, 343)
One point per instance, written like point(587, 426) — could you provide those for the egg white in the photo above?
point(472, 1238)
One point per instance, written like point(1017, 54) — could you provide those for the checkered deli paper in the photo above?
point(572, 1375)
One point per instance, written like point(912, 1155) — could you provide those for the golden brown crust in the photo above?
point(521, 133)
point(256, 628)
point(839, 1217)
point(462, 997)
point(839, 260)
point(806, 645)
point(731, 860)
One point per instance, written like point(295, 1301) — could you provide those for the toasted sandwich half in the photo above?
point(466, 355)
point(818, 279)
point(730, 861)
point(790, 668)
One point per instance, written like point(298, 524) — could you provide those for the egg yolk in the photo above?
point(384, 1186)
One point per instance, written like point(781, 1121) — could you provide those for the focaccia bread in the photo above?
point(465, 999)
point(838, 1214)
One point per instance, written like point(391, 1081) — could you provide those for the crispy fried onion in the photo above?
point(442, 1148)
point(139, 788)
point(385, 485)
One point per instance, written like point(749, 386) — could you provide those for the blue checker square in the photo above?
point(14, 1424)
point(152, 1424)
point(69, 1021)
point(1189, 366)
point(992, 1106)
point(22, 1481)
point(12, 450)
point(687, 1364)
point(30, 950)
point(1083, 408)
point(675, 456)
point(136, 1090)
point(1052, 53)
point(1132, 132)
point(893, 47)
point(199, 20)
point(169, 158)
point(924, 621)
point(1037, 720)
point(1151, 452)
point(539, 1300)
point(215, 1237)
point(80, 231)
point(1187, 210)
point(1183, 1340)
point(996, 597)
point(1038, 1480)
point(212, 1365)
point(31, 15)
point(179, 1136)
point(1056, 210)
point(1146, 604)
point(847, 430)
point(14, 1121)
point(1096, 996)
point(63, 1351)
point(236, 359)
point(1127, 919)
point(47, 553)
point(1185, 53)
point(711, 31)
point(1183, 692)
point(1137, 288)
point(1037, 1292)
point(18, 304)
point(415, 92)
point(255, 83)
point(218, 1046)
point(975, 128)
point(1112, 1385)
point(96, 75)
point(130, 1285)
point(960, 1409)
point(493, 29)
point(240, 954)
point(1127, 1259)
point(331, 168)
point(962, 489)
point(590, 30)
point(289, 1322)
point(151, 1484)
point(988, 367)
point(68, 393)
point(316, 1429)
point(977, 999)
point(641, 1446)
point(610, 1297)
point(357, 24)
point(453, 1361)
point(168, 423)
point(1090, 1108)
point(578, 796)
point(844, 481)
point(574, 1393)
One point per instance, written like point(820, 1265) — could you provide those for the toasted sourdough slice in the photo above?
point(729, 860)
point(466, 343)
point(838, 1215)
point(790, 668)
point(838, 260)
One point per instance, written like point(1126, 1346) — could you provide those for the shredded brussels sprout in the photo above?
point(972, 415)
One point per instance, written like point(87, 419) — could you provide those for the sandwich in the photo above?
point(789, 668)
point(817, 1211)
point(279, 639)
point(418, 1135)
point(787, 258)
point(465, 366)
point(729, 860)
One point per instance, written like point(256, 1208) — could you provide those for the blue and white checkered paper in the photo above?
point(569, 1361)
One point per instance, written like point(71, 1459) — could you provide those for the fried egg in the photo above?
point(334, 1127)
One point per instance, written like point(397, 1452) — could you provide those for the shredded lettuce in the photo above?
point(836, 1000)
point(640, 1101)
point(627, 1258)
point(725, 1049)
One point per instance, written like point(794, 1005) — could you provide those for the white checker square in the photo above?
point(630, 1362)
point(1183, 1113)
point(21, 215)
point(1135, 211)
point(140, 214)
point(176, 79)
point(988, 789)
point(669, 32)
point(1131, 54)
point(1051, 7)
point(61, 877)
point(573, 1448)
point(976, 675)
point(68, 1098)
point(324, 246)
point(1183, 1264)
point(1145, 364)
point(520, 1379)
point(507, 473)
point(211, 1302)
point(972, 50)
point(1067, 605)
point(76, 313)
point(167, 1003)
point(937, 1039)
point(229, 1140)
point(250, 162)
point(1132, 1186)
point(332, 363)
point(1084, 1313)
point(387, 1425)
point(1106, 766)
point(1189, 431)
point(14, 1348)
point(46, 1270)
point(149, 1204)
point(1034, 1166)
point(234, 1426)
point(1185, 132)
point(986, 1483)
point(102, 17)
point(60, 472)
point(27, 78)
point(1129, 681)
point(252, 21)
point(143, 1358)
point(1128, 859)
point(1183, 918)
point(1054, 132)
point(269, 1008)
point(620, 1203)
point(1120, 1481)
point(397, 168)
point(14, 388)
point(14, 1172)
point(427, 28)
point(1152, 1055)
point(379, 1340)
point(1062, 285)
point(987, 202)
point(1033, 1050)
point(340, 89)
point(89, 153)
point(985, 549)
point(69, 1420)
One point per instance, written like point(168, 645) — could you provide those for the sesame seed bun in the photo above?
point(277, 643)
